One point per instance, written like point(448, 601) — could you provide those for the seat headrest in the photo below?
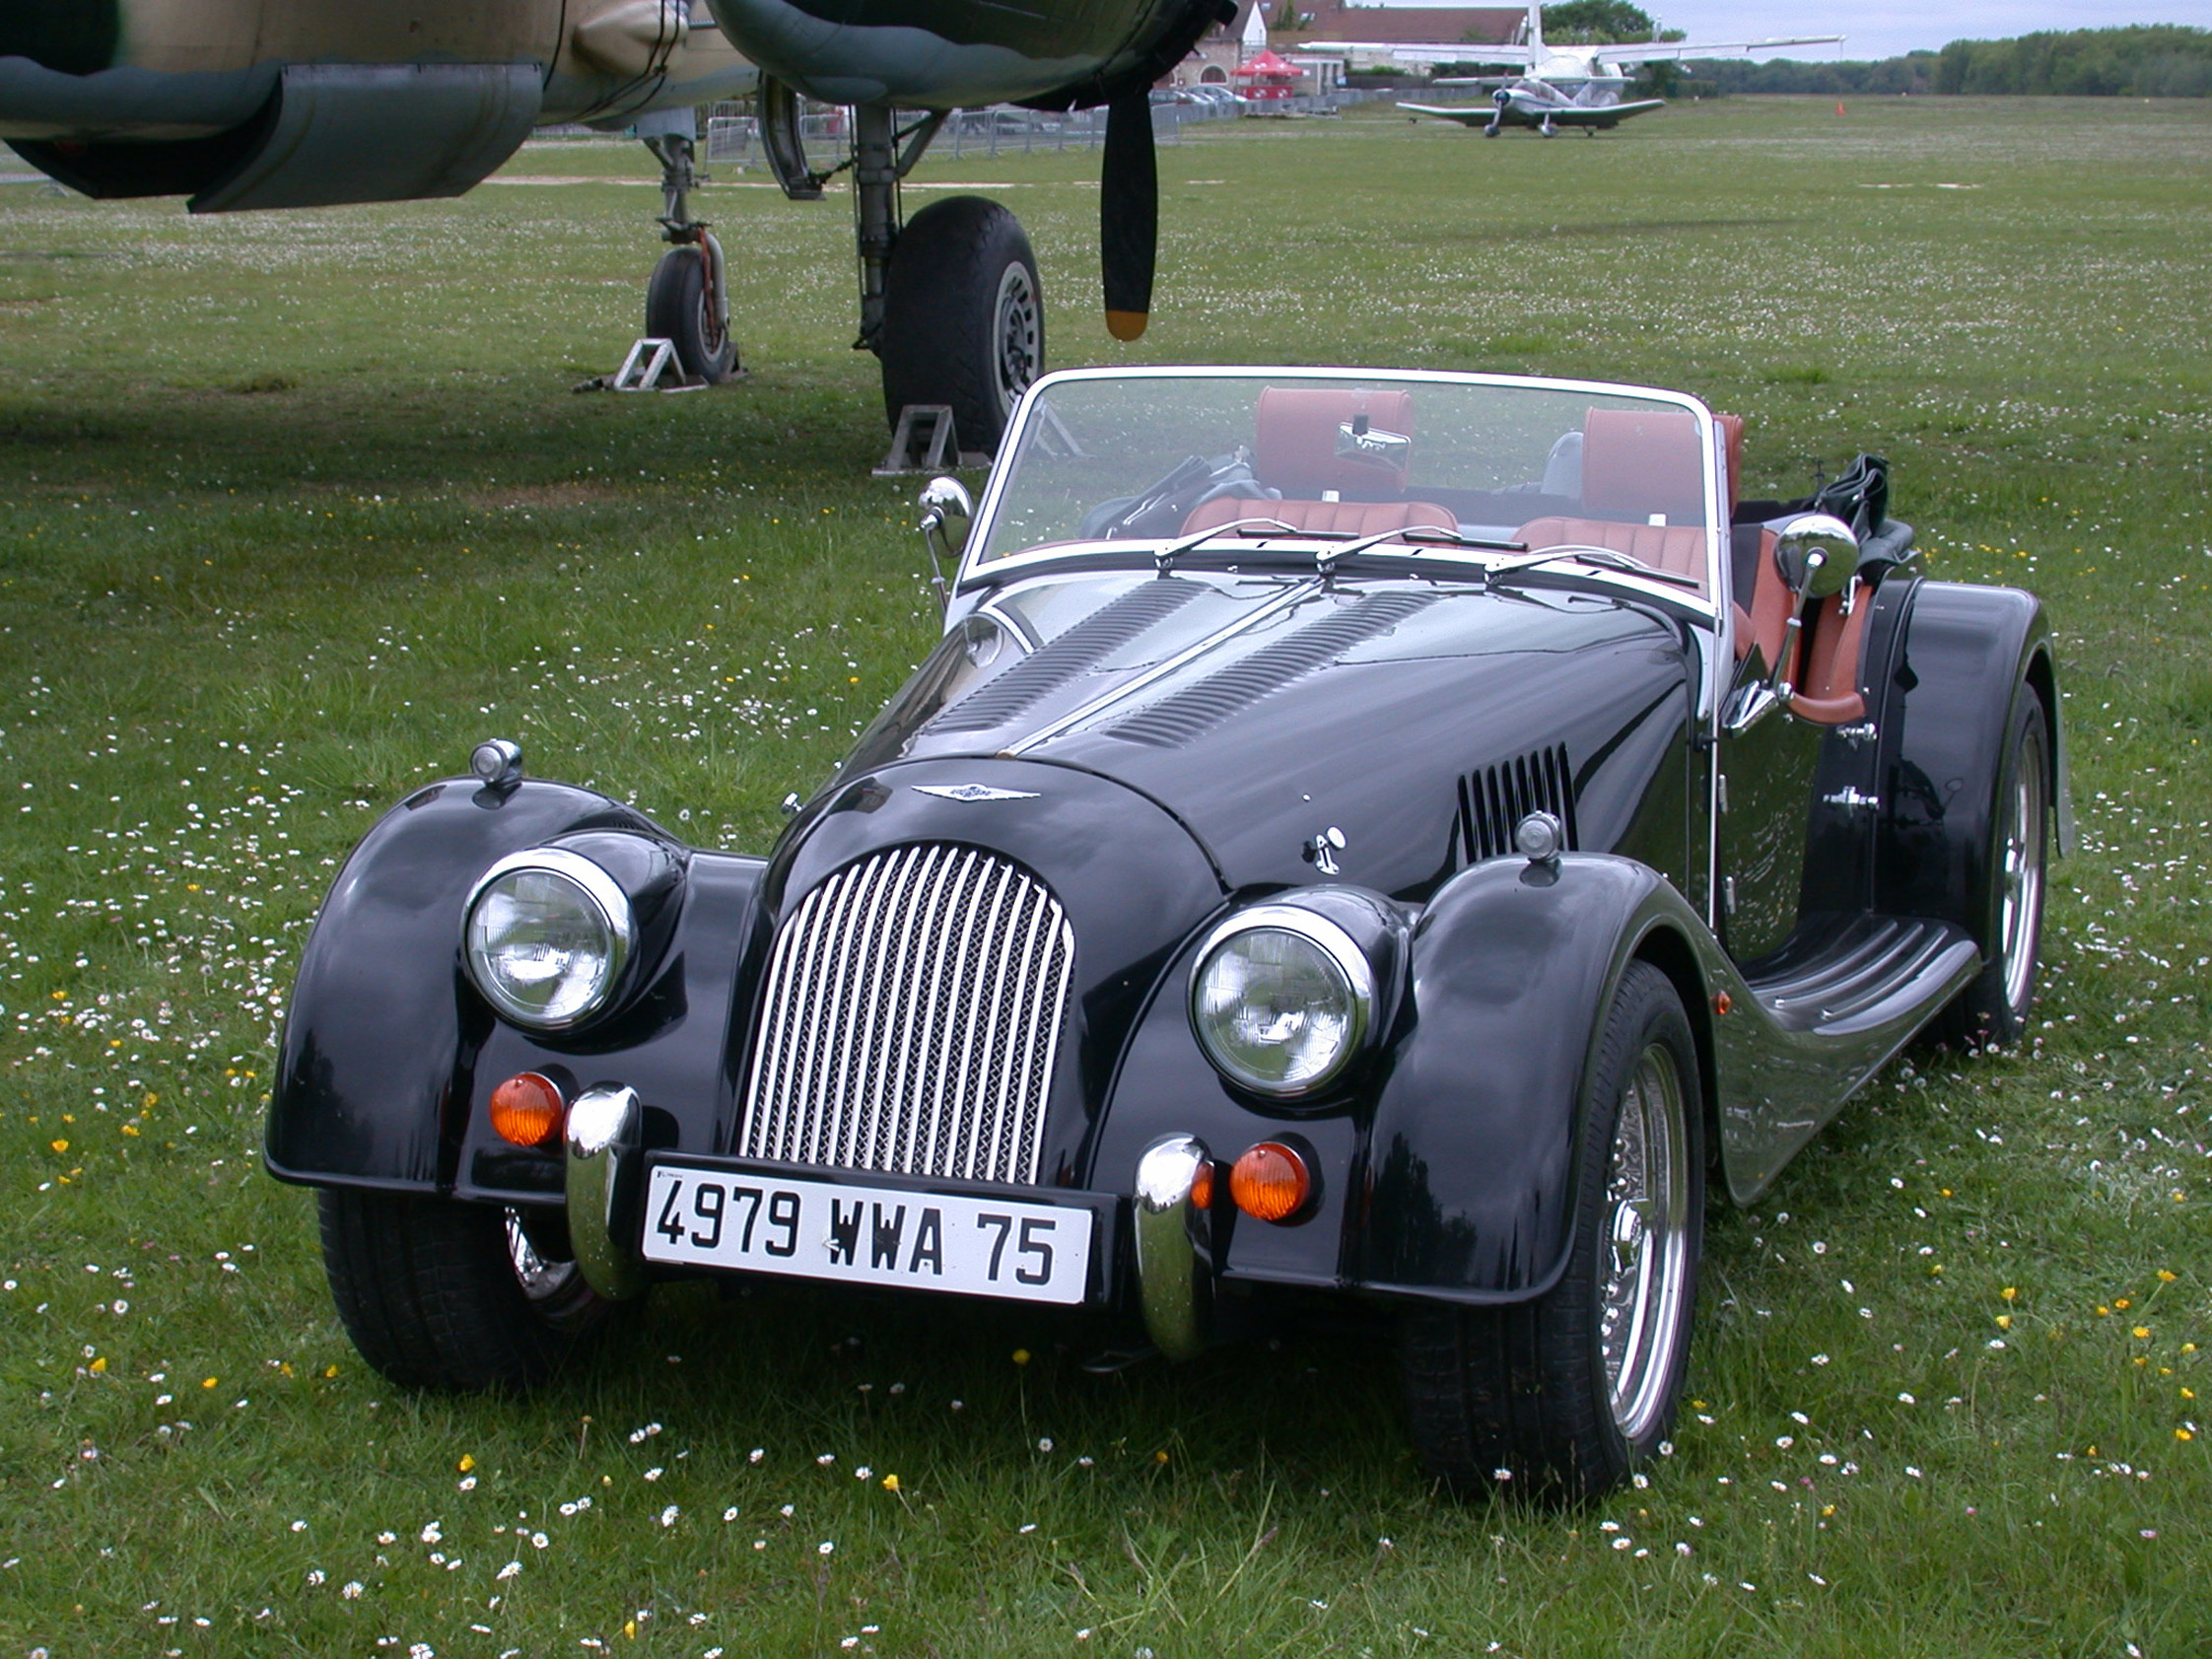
point(1639, 461)
point(1295, 439)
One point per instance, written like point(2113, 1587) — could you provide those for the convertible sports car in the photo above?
point(1387, 838)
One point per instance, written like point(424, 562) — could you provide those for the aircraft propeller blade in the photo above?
point(1128, 214)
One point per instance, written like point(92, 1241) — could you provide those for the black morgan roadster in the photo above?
point(1389, 837)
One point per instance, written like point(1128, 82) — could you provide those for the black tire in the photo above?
point(2010, 924)
point(964, 317)
point(453, 1297)
point(679, 309)
point(1562, 1396)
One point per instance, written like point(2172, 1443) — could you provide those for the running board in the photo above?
point(1863, 974)
point(1814, 1021)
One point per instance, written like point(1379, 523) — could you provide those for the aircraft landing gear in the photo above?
point(687, 303)
point(950, 302)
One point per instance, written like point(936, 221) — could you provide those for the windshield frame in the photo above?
point(1451, 561)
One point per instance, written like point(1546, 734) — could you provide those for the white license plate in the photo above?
point(867, 1235)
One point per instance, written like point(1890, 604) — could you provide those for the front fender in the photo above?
point(382, 1032)
point(1472, 1153)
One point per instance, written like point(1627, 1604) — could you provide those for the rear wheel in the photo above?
point(454, 1297)
point(963, 316)
point(1563, 1396)
point(680, 307)
point(1994, 1007)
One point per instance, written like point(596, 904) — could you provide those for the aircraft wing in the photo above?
point(1602, 114)
point(1466, 116)
point(1673, 52)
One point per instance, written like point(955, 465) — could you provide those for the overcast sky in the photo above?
point(1875, 29)
point(1885, 27)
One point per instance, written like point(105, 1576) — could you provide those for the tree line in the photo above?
point(2159, 60)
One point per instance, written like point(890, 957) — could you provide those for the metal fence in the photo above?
point(1007, 129)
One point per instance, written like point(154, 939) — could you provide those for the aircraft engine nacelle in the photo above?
point(959, 53)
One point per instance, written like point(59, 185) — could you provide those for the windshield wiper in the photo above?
point(1607, 557)
point(1165, 559)
point(1335, 556)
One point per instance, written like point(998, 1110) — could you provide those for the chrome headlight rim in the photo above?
point(605, 895)
point(1342, 953)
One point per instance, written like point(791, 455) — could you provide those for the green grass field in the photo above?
point(294, 508)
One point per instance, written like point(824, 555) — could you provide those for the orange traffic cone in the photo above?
point(1839, 106)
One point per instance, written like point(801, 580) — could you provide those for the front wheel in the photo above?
point(1563, 1396)
point(680, 307)
point(454, 1297)
point(964, 317)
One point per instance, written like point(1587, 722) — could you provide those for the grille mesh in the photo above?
point(912, 1013)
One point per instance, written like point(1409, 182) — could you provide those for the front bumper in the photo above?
point(609, 1173)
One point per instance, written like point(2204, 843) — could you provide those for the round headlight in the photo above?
point(547, 934)
point(1280, 1000)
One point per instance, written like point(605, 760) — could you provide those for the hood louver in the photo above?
point(1493, 801)
point(1043, 673)
point(1182, 716)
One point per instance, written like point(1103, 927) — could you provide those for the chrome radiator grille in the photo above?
point(912, 1012)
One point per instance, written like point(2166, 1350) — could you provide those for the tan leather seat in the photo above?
point(1829, 694)
point(1295, 439)
point(1679, 548)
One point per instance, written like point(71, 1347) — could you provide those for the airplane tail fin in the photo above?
point(1536, 30)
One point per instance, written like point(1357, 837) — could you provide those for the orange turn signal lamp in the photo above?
point(528, 1110)
point(1270, 1182)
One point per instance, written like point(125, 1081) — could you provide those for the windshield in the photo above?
point(1158, 456)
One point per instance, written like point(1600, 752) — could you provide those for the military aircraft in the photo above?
point(271, 104)
point(1571, 85)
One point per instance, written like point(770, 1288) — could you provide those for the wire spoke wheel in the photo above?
point(1562, 1394)
point(2021, 900)
point(1644, 1289)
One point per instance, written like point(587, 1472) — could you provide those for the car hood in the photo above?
point(1394, 730)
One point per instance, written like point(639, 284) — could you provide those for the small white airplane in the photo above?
point(1573, 86)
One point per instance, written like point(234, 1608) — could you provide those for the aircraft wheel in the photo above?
point(680, 308)
point(1489, 132)
point(963, 316)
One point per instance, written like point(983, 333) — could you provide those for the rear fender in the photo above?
point(1944, 716)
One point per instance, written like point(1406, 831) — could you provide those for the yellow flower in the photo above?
point(2121, 1302)
point(2140, 1332)
point(2183, 1435)
point(1160, 1457)
point(2165, 1276)
point(890, 1483)
point(330, 1370)
point(1021, 1356)
point(2188, 1394)
point(209, 1382)
point(59, 1145)
point(99, 1366)
point(467, 1463)
point(2004, 1322)
point(2103, 1312)
point(2009, 1292)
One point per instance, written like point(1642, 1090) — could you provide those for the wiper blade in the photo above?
point(1165, 558)
point(1417, 533)
point(1607, 557)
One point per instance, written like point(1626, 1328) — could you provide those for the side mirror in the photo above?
point(942, 500)
point(1818, 555)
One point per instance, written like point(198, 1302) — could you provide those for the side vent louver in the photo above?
point(1494, 800)
point(1081, 648)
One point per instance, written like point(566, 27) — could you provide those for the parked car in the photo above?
point(1389, 839)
